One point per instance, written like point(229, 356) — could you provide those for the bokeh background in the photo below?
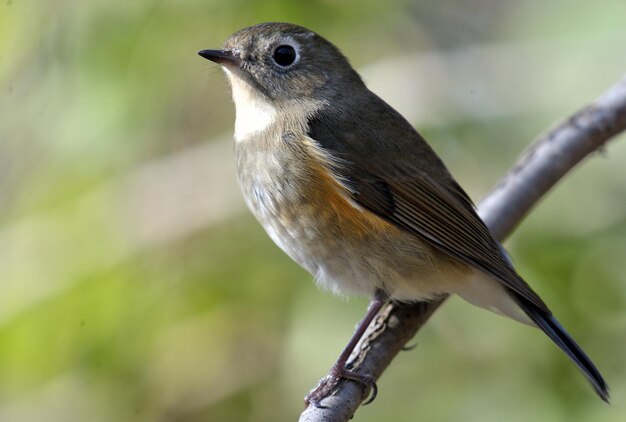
point(134, 285)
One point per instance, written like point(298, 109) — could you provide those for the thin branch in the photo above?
point(550, 157)
point(539, 168)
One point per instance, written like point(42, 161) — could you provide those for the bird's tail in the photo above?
point(549, 325)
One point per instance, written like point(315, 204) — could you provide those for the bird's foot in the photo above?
point(329, 383)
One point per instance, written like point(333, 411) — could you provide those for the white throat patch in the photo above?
point(253, 113)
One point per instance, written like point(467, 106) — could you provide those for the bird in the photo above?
point(348, 189)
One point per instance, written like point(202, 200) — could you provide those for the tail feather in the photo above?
point(553, 329)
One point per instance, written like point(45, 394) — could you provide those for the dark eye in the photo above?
point(284, 55)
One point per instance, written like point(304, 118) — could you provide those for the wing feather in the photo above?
point(405, 183)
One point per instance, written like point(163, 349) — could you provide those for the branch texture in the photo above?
point(538, 169)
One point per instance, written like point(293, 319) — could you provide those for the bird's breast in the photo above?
point(310, 215)
point(296, 198)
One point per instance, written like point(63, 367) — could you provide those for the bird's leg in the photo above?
point(339, 371)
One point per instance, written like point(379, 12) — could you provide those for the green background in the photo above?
point(134, 285)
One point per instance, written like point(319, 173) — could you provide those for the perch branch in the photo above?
point(539, 168)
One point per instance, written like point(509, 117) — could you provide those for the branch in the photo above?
point(539, 168)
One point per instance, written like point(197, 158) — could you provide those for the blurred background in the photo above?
point(134, 285)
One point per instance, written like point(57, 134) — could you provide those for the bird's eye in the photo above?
point(284, 55)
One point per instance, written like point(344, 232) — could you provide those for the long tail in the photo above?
point(549, 325)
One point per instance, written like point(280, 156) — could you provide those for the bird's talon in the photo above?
point(324, 388)
point(373, 394)
point(329, 383)
point(408, 348)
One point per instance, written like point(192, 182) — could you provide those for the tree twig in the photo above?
point(538, 169)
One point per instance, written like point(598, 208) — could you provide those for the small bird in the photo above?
point(350, 191)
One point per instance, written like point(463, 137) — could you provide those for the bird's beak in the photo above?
point(220, 56)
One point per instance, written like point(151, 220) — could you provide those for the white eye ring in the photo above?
point(286, 54)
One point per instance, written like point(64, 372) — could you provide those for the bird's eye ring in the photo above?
point(284, 55)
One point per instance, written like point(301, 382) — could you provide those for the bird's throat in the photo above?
point(253, 112)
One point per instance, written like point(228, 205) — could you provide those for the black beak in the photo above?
point(220, 56)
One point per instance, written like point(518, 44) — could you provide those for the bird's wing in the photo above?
point(404, 182)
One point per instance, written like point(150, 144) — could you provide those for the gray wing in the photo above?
point(404, 182)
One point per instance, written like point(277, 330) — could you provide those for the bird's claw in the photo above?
point(329, 383)
point(409, 347)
